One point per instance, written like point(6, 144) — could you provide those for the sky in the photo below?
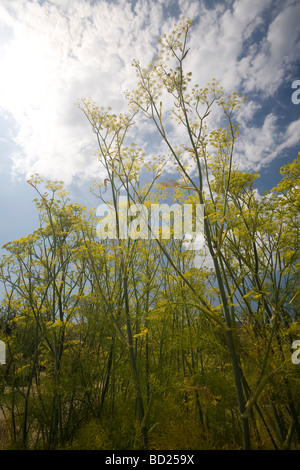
point(53, 53)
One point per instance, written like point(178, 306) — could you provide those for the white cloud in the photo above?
point(259, 145)
point(278, 52)
point(291, 136)
point(59, 53)
point(219, 42)
point(284, 33)
point(56, 52)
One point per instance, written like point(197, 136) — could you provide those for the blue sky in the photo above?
point(53, 53)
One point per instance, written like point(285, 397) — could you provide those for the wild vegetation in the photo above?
point(128, 343)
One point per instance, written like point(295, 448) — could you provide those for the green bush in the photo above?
point(91, 436)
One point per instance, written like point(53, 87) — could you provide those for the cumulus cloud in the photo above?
point(54, 52)
point(258, 145)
